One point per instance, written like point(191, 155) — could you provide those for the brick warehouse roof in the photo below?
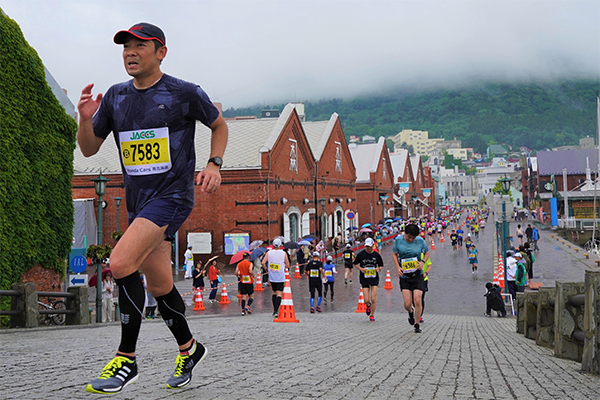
point(318, 133)
point(398, 161)
point(366, 158)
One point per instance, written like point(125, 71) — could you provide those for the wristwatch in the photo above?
point(218, 161)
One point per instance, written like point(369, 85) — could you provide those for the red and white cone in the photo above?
point(258, 287)
point(362, 307)
point(297, 273)
point(388, 281)
point(286, 311)
point(198, 304)
point(224, 296)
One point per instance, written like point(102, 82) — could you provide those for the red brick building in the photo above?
point(374, 181)
point(403, 176)
point(335, 176)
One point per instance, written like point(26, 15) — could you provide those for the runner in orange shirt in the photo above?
point(245, 272)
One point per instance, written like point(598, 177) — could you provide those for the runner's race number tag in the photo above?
point(275, 267)
point(145, 151)
point(370, 272)
point(328, 273)
point(314, 273)
point(246, 279)
point(409, 265)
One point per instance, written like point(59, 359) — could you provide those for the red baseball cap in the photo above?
point(143, 31)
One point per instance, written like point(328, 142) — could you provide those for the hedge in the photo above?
point(37, 140)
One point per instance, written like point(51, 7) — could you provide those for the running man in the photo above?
point(329, 271)
point(411, 253)
point(277, 262)
point(348, 263)
point(153, 120)
point(369, 263)
point(460, 234)
point(245, 272)
point(454, 239)
point(472, 252)
point(314, 271)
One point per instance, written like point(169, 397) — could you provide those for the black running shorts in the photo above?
point(412, 283)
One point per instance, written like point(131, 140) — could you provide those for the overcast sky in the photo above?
point(244, 52)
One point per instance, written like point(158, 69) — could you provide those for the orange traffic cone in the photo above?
point(501, 272)
point(224, 296)
point(258, 287)
point(286, 311)
point(432, 245)
point(297, 273)
point(495, 280)
point(442, 239)
point(198, 304)
point(362, 307)
point(388, 281)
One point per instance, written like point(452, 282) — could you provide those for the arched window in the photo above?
point(294, 227)
point(291, 224)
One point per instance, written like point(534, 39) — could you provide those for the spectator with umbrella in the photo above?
point(213, 277)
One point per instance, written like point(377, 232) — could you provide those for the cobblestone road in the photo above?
point(329, 355)
point(334, 355)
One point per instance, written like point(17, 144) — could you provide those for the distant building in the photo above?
point(419, 140)
point(587, 142)
point(368, 139)
point(461, 154)
point(497, 150)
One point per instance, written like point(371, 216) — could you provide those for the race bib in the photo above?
point(246, 279)
point(145, 151)
point(328, 273)
point(275, 267)
point(409, 265)
point(347, 256)
point(314, 273)
point(370, 273)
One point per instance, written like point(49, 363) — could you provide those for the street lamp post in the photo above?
point(505, 189)
point(118, 203)
point(100, 187)
point(323, 220)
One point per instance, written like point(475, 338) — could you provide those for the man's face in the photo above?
point(141, 57)
point(409, 238)
point(369, 249)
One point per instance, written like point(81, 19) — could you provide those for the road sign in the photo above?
point(350, 214)
point(78, 264)
point(78, 280)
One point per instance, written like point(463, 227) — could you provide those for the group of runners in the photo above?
point(411, 259)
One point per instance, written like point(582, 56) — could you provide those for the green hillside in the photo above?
point(536, 115)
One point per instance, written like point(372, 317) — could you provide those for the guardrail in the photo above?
point(24, 311)
point(564, 318)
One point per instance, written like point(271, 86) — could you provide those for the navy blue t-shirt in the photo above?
point(143, 122)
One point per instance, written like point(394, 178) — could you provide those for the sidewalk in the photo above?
point(329, 356)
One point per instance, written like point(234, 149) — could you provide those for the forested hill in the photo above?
point(536, 115)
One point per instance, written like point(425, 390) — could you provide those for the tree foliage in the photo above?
point(37, 140)
point(536, 115)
